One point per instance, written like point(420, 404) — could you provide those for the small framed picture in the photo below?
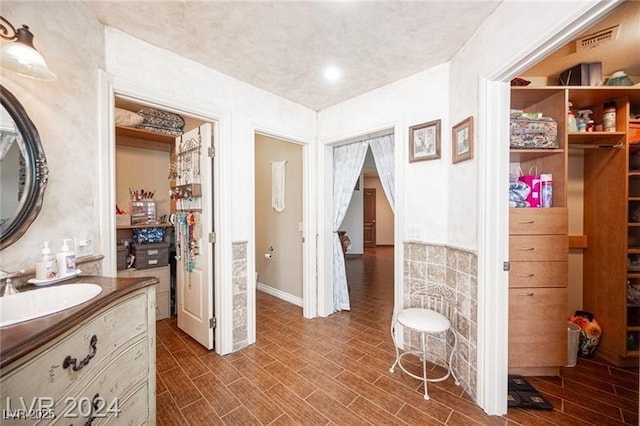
point(462, 140)
point(424, 141)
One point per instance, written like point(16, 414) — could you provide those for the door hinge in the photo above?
point(211, 152)
point(212, 237)
point(506, 266)
point(212, 323)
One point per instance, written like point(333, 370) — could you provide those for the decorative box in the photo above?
point(150, 255)
point(153, 234)
point(535, 133)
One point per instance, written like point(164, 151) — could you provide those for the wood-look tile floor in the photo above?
point(335, 371)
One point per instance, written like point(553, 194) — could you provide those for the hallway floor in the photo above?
point(335, 371)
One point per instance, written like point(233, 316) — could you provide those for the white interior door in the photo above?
point(194, 235)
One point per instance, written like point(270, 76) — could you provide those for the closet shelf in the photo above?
point(138, 138)
point(145, 225)
point(595, 138)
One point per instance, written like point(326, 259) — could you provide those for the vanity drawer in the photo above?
point(537, 327)
point(135, 408)
point(532, 221)
point(538, 248)
point(121, 377)
point(113, 328)
point(538, 274)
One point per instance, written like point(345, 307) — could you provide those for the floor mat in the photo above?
point(522, 394)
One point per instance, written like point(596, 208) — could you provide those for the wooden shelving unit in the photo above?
point(611, 195)
point(138, 138)
point(611, 188)
point(538, 250)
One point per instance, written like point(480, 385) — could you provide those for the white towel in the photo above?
point(277, 185)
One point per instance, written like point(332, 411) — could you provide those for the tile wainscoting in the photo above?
point(240, 298)
point(457, 269)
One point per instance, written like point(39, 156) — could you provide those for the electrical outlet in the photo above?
point(84, 246)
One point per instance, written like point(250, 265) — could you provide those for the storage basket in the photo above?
point(154, 234)
point(142, 211)
point(121, 258)
point(529, 133)
point(150, 255)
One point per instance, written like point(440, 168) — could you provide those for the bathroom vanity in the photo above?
point(93, 363)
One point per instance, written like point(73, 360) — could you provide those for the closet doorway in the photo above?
point(279, 217)
point(171, 171)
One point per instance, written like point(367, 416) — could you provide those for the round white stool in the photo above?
point(423, 321)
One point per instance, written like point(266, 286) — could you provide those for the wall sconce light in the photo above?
point(20, 56)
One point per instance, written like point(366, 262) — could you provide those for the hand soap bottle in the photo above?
point(66, 260)
point(46, 267)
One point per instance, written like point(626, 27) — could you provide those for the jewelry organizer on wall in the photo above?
point(187, 193)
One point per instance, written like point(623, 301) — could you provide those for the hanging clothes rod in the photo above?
point(600, 146)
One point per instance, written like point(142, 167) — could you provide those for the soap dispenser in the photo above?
point(46, 266)
point(66, 260)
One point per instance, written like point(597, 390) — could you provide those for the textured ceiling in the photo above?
point(283, 47)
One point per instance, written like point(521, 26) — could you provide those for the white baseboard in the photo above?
point(280, 294)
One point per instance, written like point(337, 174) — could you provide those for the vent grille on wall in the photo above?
point(597, 39)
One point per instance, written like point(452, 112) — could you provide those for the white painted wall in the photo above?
point(416, 99)
point(64, 111)
point(139, 62)
point(352, 222)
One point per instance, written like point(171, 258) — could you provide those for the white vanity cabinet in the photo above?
point(103, 369)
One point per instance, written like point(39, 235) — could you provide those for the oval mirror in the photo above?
point(23, 170)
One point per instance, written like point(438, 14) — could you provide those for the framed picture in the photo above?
point(424, 141)
point(462, 140)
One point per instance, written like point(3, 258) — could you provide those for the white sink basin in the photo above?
point(32, 304)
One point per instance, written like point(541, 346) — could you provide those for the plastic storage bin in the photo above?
point(573, 343)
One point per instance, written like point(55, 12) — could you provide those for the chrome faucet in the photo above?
point(8, 289)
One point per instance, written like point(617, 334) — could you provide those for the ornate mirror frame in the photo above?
point(37, 172)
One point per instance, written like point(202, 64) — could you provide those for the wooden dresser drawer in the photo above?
point(537, 327)
point(538, 248)
point(120, 378)
point(538, 274)
point(530, 221)
point(114, 328)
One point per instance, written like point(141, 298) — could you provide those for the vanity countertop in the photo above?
point(19, 339)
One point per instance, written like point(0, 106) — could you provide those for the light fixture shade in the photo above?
point(25, 60)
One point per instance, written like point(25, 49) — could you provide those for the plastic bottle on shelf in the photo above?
point(585, 122)
point(66, 260)
point(571, 119)
point(609, 117)
point(46, 266)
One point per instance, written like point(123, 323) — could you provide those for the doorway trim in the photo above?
point(309, 197)
point(493, 166)
point(112, 86)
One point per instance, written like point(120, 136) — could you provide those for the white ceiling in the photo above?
point(283, 47)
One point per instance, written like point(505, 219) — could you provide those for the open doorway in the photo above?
point(367, 233)
point(278, 216)
point(168, 170)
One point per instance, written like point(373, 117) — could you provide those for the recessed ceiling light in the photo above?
point(332, 73)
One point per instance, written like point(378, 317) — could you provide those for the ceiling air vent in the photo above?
point(597, 39)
